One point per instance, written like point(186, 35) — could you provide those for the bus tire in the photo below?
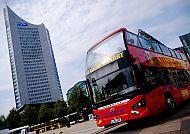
point(170, 102)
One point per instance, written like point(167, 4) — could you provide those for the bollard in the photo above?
point(45, 130)
point(59, 126)
point(52, 129)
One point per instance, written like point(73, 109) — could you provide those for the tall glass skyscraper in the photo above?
point(34, 72)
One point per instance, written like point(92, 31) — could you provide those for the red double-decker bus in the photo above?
point(133, 77)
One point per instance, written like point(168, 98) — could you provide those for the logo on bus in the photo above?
point(114, 112)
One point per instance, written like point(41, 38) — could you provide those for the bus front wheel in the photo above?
point(170, 103)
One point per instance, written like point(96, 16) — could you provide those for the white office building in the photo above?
point(34, 72)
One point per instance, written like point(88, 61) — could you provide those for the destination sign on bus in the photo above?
point(104, 62)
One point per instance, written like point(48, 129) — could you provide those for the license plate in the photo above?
point(115, 121)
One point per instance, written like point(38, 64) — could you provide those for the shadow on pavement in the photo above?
point(135, 126)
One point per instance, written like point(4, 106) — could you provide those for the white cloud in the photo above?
point(5, 73)
point(167, 29)
point(174, 43)
point(74, 26)
point(6, 105)
point(171, 26)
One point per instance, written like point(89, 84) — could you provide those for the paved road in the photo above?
point(166, 123)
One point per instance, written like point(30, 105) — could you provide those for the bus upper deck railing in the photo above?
point(138, 41)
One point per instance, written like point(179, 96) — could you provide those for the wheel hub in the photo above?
point(170, 103)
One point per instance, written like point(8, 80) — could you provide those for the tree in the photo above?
point(77, 101)
point(60, 109)
point(73, 101)
point(45, 113)
point(13, 119)
point(2, 119)
point(84, 101)
point(2, 122)
point(29, 116)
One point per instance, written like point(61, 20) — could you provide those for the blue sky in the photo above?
point(75, 26)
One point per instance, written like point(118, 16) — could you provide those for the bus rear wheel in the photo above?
point(170, 103)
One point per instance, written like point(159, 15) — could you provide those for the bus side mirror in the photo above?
point(94, 82)
point(140, 68)
point(130, 41)
point(90, 90)
point(138, 65)
point(139, 73)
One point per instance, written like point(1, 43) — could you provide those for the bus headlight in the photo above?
point(96, 116)
point(139, 104)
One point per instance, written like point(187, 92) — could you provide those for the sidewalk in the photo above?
point(87, 127)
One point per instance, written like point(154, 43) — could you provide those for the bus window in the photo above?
point(132, 39)
point(183, 77)
point(178, 55)
point(188, 75)
point(155, 77)
point(165, 50)
point(150, 78)
point(173, 54)
point(145, 44)
point(179, 78)
point(102, 53)
point(156, 47)
point(117, 83)
point(183, 56)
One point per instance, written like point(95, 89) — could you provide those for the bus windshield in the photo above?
point(108, 71)
point(105, 52)
point(116, 84)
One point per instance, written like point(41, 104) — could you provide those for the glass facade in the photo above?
point(32, 55)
